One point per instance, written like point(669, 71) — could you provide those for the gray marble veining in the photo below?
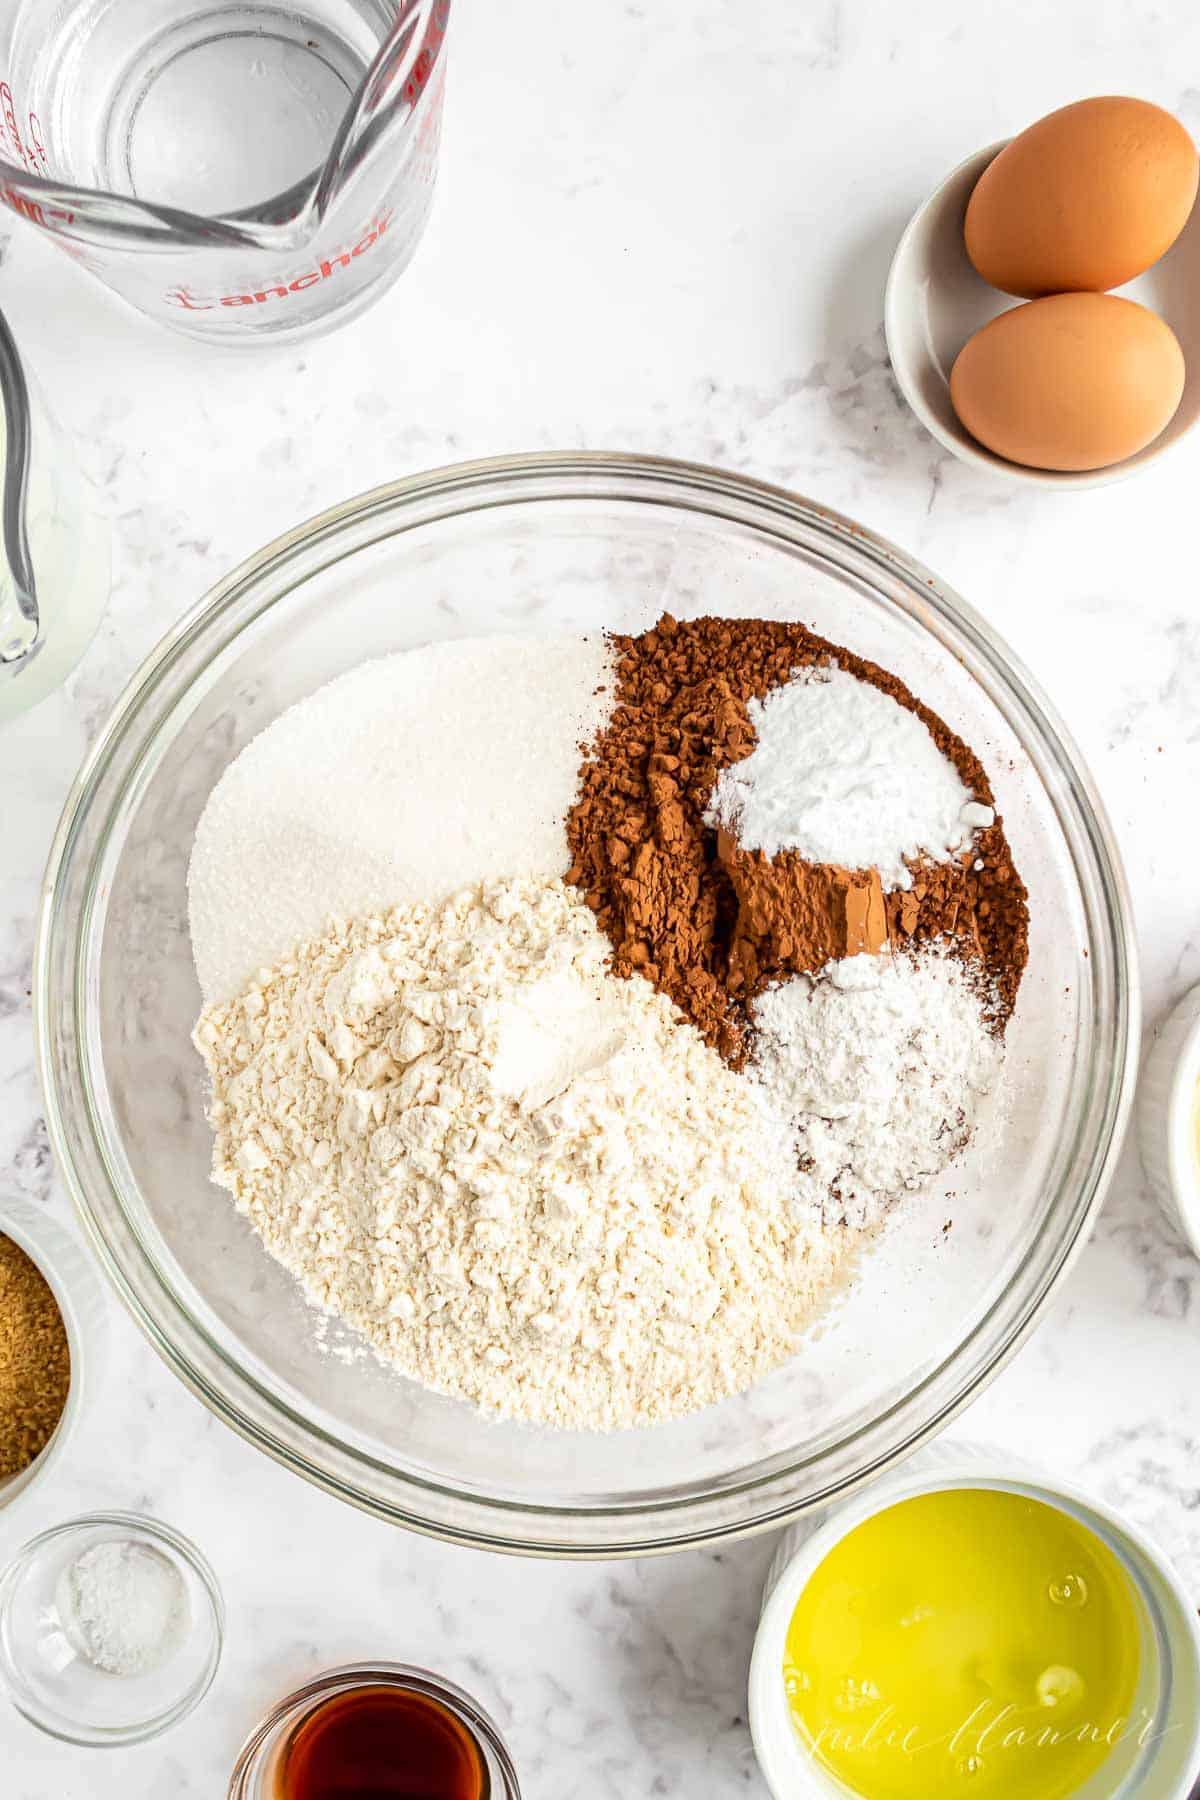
point(663, 228)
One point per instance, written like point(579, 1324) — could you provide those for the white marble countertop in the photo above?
point(660, 226)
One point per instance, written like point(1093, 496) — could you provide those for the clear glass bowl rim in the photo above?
point(114, 1736)
point(682, 1517)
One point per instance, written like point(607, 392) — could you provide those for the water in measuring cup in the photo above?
point(208, 108)
point(236, 109)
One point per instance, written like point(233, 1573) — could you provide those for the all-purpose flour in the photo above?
point(399, 781)
point(526, 1181)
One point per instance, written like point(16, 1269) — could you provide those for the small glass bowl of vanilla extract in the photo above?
point(385, 1729)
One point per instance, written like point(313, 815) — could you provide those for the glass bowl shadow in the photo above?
point(567, 542)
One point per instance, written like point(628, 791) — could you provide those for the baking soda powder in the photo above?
point(844, 774)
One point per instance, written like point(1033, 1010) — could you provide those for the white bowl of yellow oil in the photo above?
point(966, 1629)
point(1168, 1112)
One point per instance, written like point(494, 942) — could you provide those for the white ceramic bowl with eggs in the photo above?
point(935, 301)
point(1162, 1767)
point(77, 1289)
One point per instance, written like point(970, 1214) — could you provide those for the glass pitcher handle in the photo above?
point(20, 637)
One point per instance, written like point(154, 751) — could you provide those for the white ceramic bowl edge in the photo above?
point(1166, 1117)
point(77, 1288)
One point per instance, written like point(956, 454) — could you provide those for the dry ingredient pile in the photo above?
point(880, 1066)
point(712, 920)
point(523, 1180)
point(613, 994)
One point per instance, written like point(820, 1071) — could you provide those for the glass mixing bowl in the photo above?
point(566, 543)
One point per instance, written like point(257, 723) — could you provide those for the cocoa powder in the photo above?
point(712, 924)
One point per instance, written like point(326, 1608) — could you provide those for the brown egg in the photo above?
point(1075, 381)
point(1084, 200)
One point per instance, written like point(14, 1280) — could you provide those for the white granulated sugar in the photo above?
point(842, 773)
point(528, 1182)
point(400, 781)
point(880, 1066)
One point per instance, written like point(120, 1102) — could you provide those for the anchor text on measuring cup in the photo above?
point(271, 291)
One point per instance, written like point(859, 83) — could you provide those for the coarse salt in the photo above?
point(125, 1605)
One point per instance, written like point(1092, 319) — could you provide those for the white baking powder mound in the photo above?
point(399, 782)
point(842, 773)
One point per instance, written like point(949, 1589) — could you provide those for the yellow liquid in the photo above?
point(969, 1643)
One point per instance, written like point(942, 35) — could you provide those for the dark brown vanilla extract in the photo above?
point(380, 1743)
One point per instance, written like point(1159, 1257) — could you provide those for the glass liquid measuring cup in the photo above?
point(237, 169)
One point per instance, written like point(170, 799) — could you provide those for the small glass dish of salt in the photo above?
point(110, 1629)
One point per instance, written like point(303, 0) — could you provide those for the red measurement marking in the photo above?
point(8, 105)
point(21, 203)
point(426, 57)
point(35, 133)
point(50, 218)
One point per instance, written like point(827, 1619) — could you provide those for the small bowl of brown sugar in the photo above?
point(51, 1321)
